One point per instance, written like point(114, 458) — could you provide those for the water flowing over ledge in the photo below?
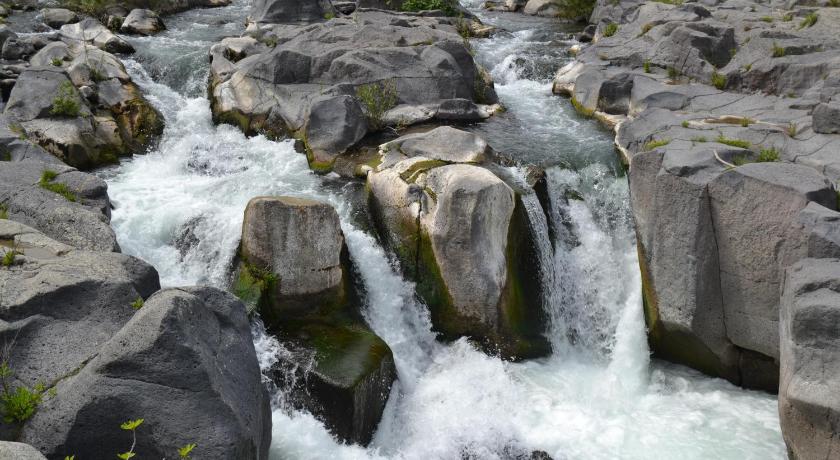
point(598, 396)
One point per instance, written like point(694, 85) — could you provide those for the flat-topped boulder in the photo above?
point(809, 403)
point(291, 11)
point(142, 22)
point(90, 31)
point(318, 83)
point(461, 234)
point(58, 17)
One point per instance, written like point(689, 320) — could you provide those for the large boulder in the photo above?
point(320, 83)
point(809, 400)
point(91, 31)
point(68, 205)
point(296, 270)
point(283, 11)
point(142, 22)
point(826, 118)
point(19, 451)
point(57, 17)
point(460, 234)
point(185, 363)
point(301, 243)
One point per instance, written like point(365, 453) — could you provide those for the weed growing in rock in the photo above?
point(792, 129)
point(833, 4)
point(377, 98)
point(47, 183)
point(778, 51)
point(646, 66)
point(655, 143)
point(184, 452)
point(329, 15)
point(768, 155)
point(747, 67)
point(746, 121)
point(740, 160)
point(809, 20)
point(646, 28)
point(131, 425)
point(611, 29)
point(4, 211)
point(733, 142)
point(56, 62)
point(700, 139)
point(673, 73)
point(463, 27)
point(767, 18)
point(9, 258)
point(684, 124)
point(66, 103)
point(718, 80)
point(19, 403)
point(423, 5)
point(137, 304)
point(787, 17)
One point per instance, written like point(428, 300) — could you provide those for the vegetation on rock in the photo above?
point(376, 99)
point(66, 103)
point(423, 5)
point(47, 183)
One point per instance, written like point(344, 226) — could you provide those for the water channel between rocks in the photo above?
point(599, 396)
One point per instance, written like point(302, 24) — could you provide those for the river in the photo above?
point(599, 396)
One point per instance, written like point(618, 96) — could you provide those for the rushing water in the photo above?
point(598, 397)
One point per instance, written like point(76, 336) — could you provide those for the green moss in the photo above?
point(733, 142)
point(581, 109)
point(255, 287)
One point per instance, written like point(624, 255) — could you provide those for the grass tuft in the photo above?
point(719, 80)
point(47, 183)
point(655, 143)
point(809, 20)
point(376, 99)
point(733, 142)
point(611, 29)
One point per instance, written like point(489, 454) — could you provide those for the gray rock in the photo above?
point(334, 125)
point(766, 197)
point(82, 224)
point(48, 54)
point(59, 304)
point(19, 451)
point(285, 11)
point(142, 22)
point(301, 242)
point(5, 34)
point(92, 32)
point(809, 403)
point(444, 143)
point(167, 371)
point(36, 91)
point(57, 17)
point(826, 118)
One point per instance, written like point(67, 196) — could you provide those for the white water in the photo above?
point(597, 397)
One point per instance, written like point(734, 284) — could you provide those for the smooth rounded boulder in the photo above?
point(142, 22)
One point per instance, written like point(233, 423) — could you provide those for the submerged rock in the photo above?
point(460, 234)
point(809, 403)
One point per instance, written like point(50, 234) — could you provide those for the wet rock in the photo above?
point(301, 243)
point(444, 143)
point(19, 451)
point(458, 230)
point(334, 125)
point(285, 11)
point(90, 31)
point(81, 223)
point(167, 370)
point(57, 17)
point(142, 22)
point(809, 405)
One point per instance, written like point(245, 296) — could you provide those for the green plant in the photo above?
point(463, 27)
point(377, 98)
point(646, 66)
point(833, 3)
point(673, 73)
point(56, 62)
point(423, 5)
point(66, 102)
point(610, 29)
point(768, 155)
point(718, 80)
point(47, 183)
point(733, 142)
point(329, 15)
point(131, 425)
point(184, 452)
point(684, 124)
point(778, 51)
point(671, 2)
point(787, 17)
point(70, 457)
point(137, 304)
point(740, 160)
point(792, 129)
point(4, 211)
point(21, 403)
point(747, 67)
point(581, 109)
point(9, 258)
point(809, 20)
point(767, 18)
point(655, 143)
point(746, 121)
point(698, 139)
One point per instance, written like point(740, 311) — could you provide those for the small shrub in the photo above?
point(733, 142)
point(9, 258)
point(673, 73)
point(646, 66)
point(768, 155)
point(56, 62)
point(66, 103)
point(377, 98)
point(718, 80)
point(21, 403)
point(137, 304)
point(652, 144)
point(610, 29)
point(684, 124)
point(463, 27)
point(809, 20)
point(423, 5)
point(778, 51)
point(46, 182)
point(767, 18)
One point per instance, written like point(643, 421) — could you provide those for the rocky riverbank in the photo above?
point(726, 114)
